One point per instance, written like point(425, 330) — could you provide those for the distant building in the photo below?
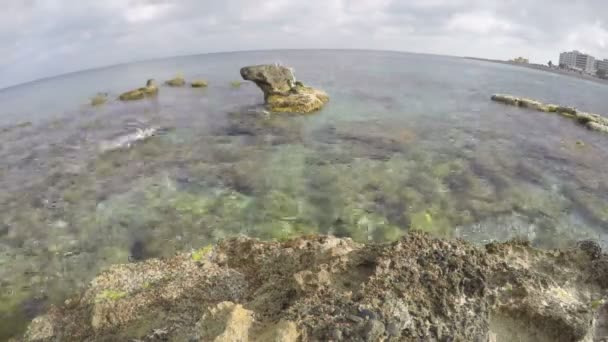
point(602, 65)
point(577, 60)
point(520, 60)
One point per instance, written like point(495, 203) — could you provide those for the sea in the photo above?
point(408, 142)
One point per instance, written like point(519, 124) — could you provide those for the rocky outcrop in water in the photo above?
point(282, 92)
point(324, 288)
point(594, 122)
point(176, 82)
point(199, 84)
point(150, 89)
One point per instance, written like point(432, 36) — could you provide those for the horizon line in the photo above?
point(48, 78)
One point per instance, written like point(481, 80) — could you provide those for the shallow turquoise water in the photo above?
point(407, 142)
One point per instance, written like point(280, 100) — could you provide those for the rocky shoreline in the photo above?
point(322, 288)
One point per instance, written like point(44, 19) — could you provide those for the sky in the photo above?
point(43, 38)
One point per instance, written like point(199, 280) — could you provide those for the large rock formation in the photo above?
point(325, 288)
point(282, 92)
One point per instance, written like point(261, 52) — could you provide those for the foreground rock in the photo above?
point(150, 89)
point(594, 122)
point(282, 93)
point(325, 288)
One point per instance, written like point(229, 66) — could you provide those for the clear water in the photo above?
point(407, 142)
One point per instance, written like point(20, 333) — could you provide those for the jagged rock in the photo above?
point(198, 84)
point(318, 288)
point(176, 82)
point(226, 322)
point(283, 331)
point(151, 88)
point(272, 79)
point(41, 329)
point(282, 93)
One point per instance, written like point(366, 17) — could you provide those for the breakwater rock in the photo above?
point(282, 93)
point(321, 288)
point(594, 122)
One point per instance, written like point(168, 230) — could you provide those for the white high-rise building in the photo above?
point(601, 65)
point(577, 60)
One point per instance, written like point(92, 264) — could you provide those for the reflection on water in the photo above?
point(398, 147)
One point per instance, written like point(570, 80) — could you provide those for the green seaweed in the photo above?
point(110, 295)
point(199, 254)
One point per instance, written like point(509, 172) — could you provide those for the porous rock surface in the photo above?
point(321, 288)
point(282, 93)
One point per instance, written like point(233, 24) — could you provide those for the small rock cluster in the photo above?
point(282, 93)
point(594, 122)
point(321, 288)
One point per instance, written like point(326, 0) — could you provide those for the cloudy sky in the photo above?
point(41, 38)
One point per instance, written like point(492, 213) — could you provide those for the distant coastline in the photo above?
point(546, 68)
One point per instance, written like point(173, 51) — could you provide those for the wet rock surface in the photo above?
point(321, 288)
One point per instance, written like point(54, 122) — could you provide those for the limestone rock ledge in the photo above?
point(321, 288)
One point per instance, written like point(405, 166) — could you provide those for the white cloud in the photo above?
point(44, 38)
point(482, 23)
point(146, 12)
point(592, 38)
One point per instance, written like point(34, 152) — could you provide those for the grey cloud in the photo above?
point(41, 38)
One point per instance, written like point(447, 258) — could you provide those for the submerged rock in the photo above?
point(282, 93)
point(176, 82)
point(418, 288)
point(99, 99)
